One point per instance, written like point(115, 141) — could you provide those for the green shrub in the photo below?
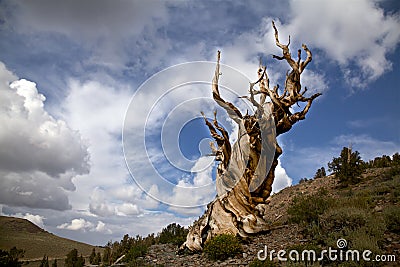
point(306, 209)
point(72, 259)
point(352, 222)
point(392, 219)
point(344, 219)
point(361, 240)
point(222, 247)
point(361, 200)
point(138, 250)
point(382, 190)
point(44, 262)
point(320, 173)
point(138, 263)
point(391, 173)
point(11, 258)
point(265, 263)
point(174, 234)
point(388, 190)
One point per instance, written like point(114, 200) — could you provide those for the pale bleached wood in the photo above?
point(247, 168)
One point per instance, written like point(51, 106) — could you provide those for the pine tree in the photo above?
point(106, 255)
point(396, 159)
point(44, 262)
point(347, 167)
point(11, 258)
point(320, 173)
point(92, 256)
point(80, 262)
point(97, 259)
point(173, 233)
point(73, 260)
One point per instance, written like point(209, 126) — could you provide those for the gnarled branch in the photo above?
point(245, 174)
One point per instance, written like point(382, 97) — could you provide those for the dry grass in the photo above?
point(36, 242)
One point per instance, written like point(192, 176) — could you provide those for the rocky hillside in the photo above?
point(315, 214)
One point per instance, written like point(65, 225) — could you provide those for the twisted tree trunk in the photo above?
point(247, 168)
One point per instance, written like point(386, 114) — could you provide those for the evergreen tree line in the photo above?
point(72, 260)
point(11, 258)
point(132, 247)
point(135, 248)
point(349, 166)
point(45, 262)
point(95, 258)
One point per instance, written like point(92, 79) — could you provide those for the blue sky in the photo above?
point(74, 73)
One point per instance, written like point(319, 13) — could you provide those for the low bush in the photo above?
point(307, 209)
point(139, 263)
point(173, 234)
point(136, 251)
point(12, 257)
point(222, 247)
point(392, 219)
point(265, 263)
point(344, 219)
point(361, 240)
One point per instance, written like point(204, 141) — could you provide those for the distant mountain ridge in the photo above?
point(37, 242)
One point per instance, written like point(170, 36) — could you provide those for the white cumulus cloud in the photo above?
point(84, 225)
point(127, 209)
point(76, 224)
point(35, 219)
point(282, 180)
point(36, 148)
point(358, 35)
point(101, 228)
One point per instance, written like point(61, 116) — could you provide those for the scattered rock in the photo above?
point(284, 237)
point(378, 209)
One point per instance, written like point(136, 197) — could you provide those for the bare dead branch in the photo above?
point(305, 90)
point(285, 49)
point(298, 57)
point(264, 84)
point(232, 111)
point(302, 114)
point(304, 64)
point(217, 73)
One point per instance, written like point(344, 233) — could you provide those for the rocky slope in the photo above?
point(285, 234)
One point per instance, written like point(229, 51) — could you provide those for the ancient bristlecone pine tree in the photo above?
point(247, 168)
